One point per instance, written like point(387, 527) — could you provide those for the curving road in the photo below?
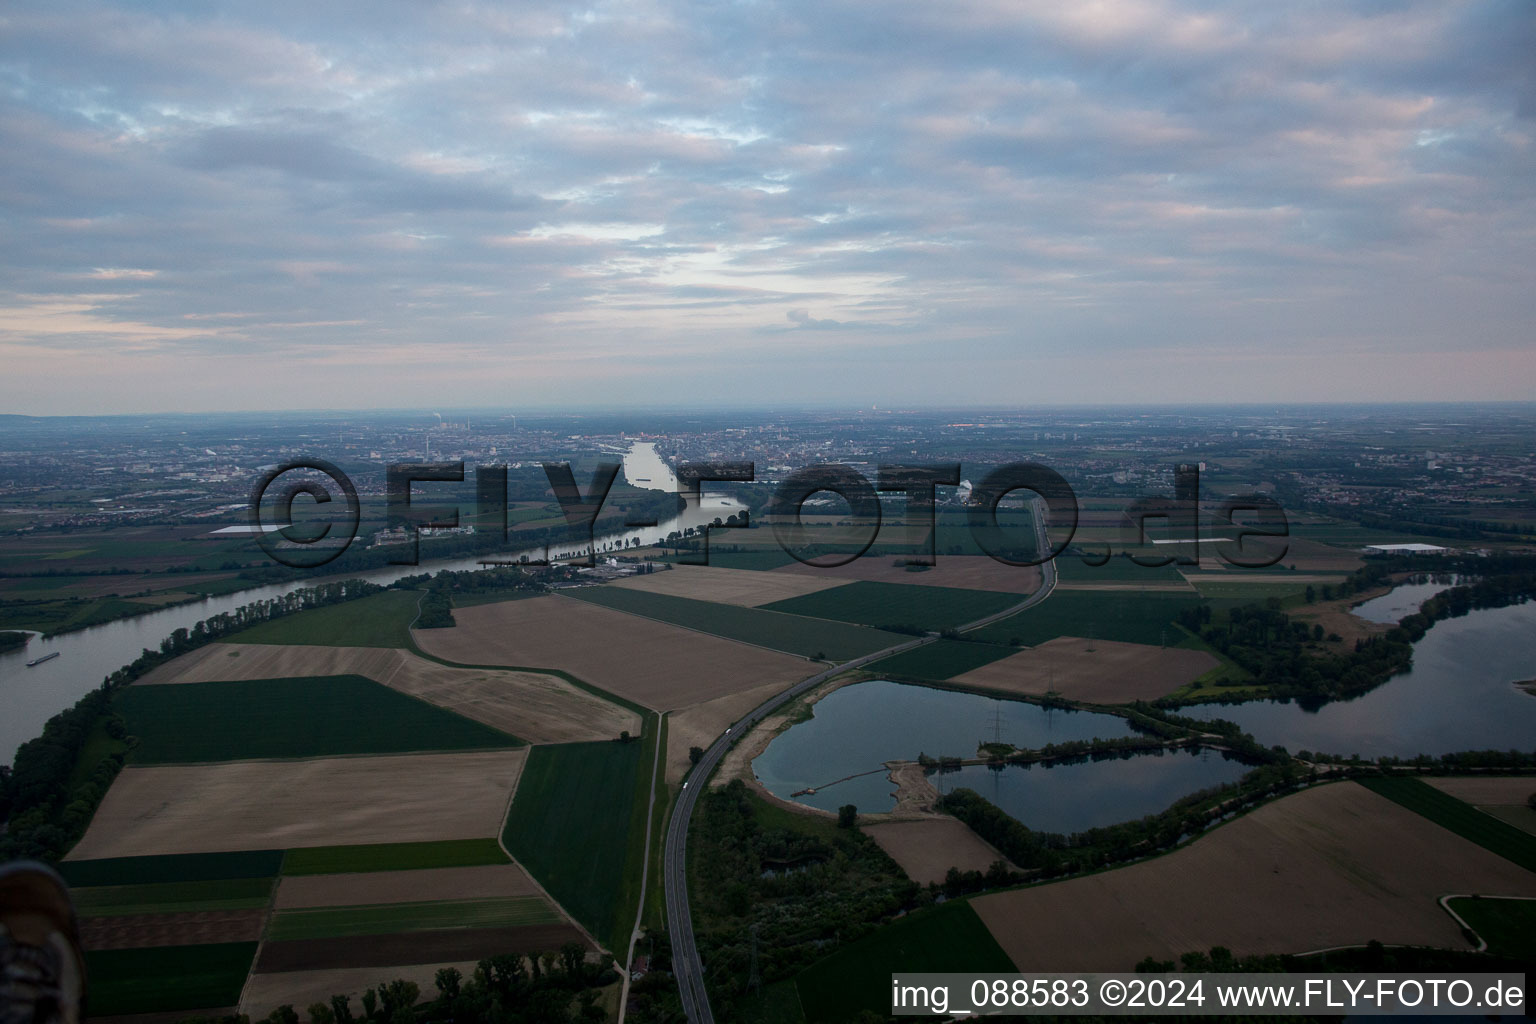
point(686, 966)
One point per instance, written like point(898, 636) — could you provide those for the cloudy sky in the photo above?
point(305, 205)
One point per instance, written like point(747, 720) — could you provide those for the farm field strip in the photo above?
point(240, 805)
point(447, 853)
point(1320, 868)
point(127, 981)
point(170, 868)
point(1094, 671)
point(943, 659)
point(897, 604)
point(536, 706)
point(660, 666)
point(794, 634)
point(926, 849)
point(1460, 817)
point(744, 587)
point(388, 918)
point(378, 620)
point(488, 881)
point(955, 572)
point(291, 718)
point(1128, 616)
point(217, 894)
point(423, 947)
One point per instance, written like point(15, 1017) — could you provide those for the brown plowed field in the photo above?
point(964, 572)
point(1331, 866)
point(533, 706)
point(728, 586)
point(1111, 673)
point(660, 666)
point(928, 848)
point(351, 890)
point(259, 805)
point(698, 726)
point(192, 928)
point(413, 947)
point(299, 989)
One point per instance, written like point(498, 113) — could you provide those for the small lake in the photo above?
point(1457, 696)
point(858, 728)
point(1402, 600)
point(1070, 798)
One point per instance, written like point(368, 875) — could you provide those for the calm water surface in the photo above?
point(859, 727)
point(1457, 696)
point(1402, 600)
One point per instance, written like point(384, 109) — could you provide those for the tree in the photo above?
point(624, 736)
point(284, 1014)
point(342, 1011)
point(573, 959)
point(448, 981)
point(695, 755)
point(319, 1013)
point(847, 816)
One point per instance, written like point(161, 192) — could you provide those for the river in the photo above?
point(33, 695)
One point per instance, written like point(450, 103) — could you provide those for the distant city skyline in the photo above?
point(976, 204)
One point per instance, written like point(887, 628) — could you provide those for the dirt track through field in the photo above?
point(533, 706)
point(1098, 671)
point(1332, 866)
point(728, 586)
point(260, 805)
point(189, 928)
point(927, 849)
point(488, 881)
point(660, 666)
point(964, 572)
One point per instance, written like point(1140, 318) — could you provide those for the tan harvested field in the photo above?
point(729, 586)
point(300, 989)
point(660, 666)
point(964, 572)
point(698, 725)
point(261, 805)
point(487, 881)
point(927, 849)
point(1325, 867)
point(1480, 790)
point(533, 706)
point(191, 928)
point(1111, 672)
point(1336, 617)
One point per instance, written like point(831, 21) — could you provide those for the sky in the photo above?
point(214, 206)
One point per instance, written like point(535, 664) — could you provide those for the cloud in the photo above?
point(538, 188)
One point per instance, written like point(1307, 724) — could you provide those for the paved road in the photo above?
point(686, 965)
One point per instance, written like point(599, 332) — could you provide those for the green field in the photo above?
point(1138, 617)
point(173, 897)
point(447, 853)
point(942, 659)
point(796, 634)
point(1072, 569)
point(571, 823)
point(298, 717)
point(161, 978)
point(388, 918)
point(378, 620)
point(1458, 816)
point(897, 604)
point(172, 867)
point(762, 560)
point(61, 616)
point(858, 977)
point(1507, 925)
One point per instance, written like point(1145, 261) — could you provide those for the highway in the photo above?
point(686, 966)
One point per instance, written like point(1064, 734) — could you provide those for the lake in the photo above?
point(859, 727)
point(1402, 600)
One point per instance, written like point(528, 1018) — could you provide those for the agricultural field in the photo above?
point(536, 706)
point(173, 897)
point(727, 586)
point(942, 659)
point(126, 981)
point(957, 572)
point(427, 855)
point(326, 716)
point(245, 805)
point(1093, 671)
point(1137, 617)
point(1504, 797)
point(390, 918)
point(356, 889)
point(1460, 817)
point(1118, 571)
point(1317, 869)
point(153, 869)
point(571, 827)
point(299, 989)
point(660, 666)
point(793, 634)
point(1508, 926)
point(699, 724)
point(927, 848)
point(895, 604)
point(858, 977)
point(378, 620)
